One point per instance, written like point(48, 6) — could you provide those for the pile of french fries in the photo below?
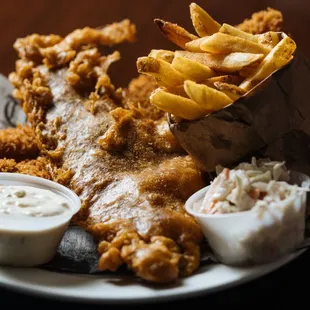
point(212, 69)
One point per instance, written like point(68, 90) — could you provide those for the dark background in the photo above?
point(21, 18)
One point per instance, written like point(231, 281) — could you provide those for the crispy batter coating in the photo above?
point(18, 143)
point(30, 47)
point(120, 157)
point(263, 21)
point(85, 70)
point(63, 52)
point(139, 91)
point(37, 167)
point(140, 88)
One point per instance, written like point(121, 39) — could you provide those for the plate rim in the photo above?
point(43, 291)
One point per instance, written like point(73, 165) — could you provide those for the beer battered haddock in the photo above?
point(121, 158)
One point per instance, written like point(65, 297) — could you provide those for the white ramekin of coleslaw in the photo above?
point(254, 213)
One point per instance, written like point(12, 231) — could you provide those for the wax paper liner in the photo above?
point(271, 121)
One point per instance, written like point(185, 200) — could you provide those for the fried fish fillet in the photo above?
point(119, 155)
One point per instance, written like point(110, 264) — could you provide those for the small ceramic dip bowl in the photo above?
point(255, 236)
point(34, 215)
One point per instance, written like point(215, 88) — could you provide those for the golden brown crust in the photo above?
point(62, 53)
point(140, 88)
point(30, 46)
point(85, 70)
point(38, 167)
point(7, 165)
point(35, 167)
point(109, 147)
point(18, 143)
point(263, 21)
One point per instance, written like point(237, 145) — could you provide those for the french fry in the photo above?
point(247, 71)
point(203, 23)
point(162, 54)
point(176, 105)
point(227, 63)
point(175, 33)
point(228, 29)
point(208, 98)
point(178, 90)
point(229, 79)
point(215, 68)
point(161, 70)
point(270, 39)
point(279, 57)
point(192, 69)
point(231, 95)
point(194, 46)
point(220, 43)
point(232, 91)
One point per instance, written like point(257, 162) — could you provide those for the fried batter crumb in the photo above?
point(140, 88)
point(263, 21)
point(35, 167)
point(18, 143)
point(7, 165)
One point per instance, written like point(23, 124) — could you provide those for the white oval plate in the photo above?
point(116, 289)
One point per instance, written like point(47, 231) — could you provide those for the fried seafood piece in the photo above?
point(263, 21)
point(139, 91)
point(38, 167)
point(18, 143)
point(122, 160)
point(56, 51)
point(140, 88)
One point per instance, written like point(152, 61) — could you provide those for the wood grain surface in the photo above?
point(21, 18)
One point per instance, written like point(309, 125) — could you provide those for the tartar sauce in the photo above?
point(31, 201)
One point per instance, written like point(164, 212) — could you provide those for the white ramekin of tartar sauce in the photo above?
point(253, 237)
point(34, 215)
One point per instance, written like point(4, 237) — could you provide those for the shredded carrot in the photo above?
point(226, 173)
point(254, 193)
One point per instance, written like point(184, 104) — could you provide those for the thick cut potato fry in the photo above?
point(161, 70)
point(214, 69)
point(228, 29)
point(175, 33)
point(229, 79)
point(208, 98)
point(203, 23)
point(279, 57)
point(232, 96)
point(270, 39)
point(221, 43)
point(194, 46)
point(247, 71)
point(178, 90)
point(232, 91)
point(192, 69)
point(177, 105)
point(227, 63)
point(162, 54)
